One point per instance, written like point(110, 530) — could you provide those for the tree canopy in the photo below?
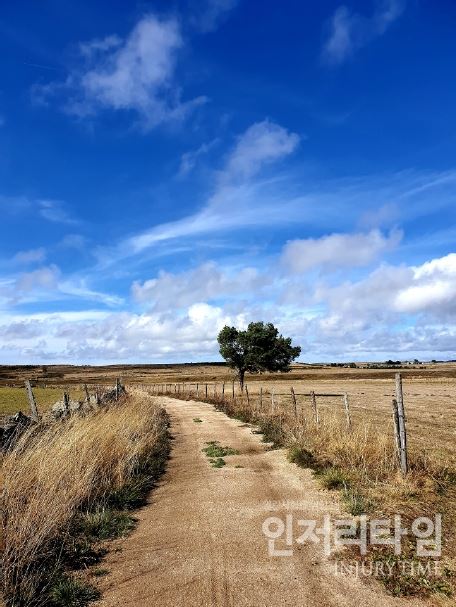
point(259, 348)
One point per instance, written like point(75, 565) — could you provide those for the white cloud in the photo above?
point(135, 74)
point(350, 31)
point(337, 250)
point(235, 200)
point(115, 337)
point(433, 288)
point(393, 311)
point(30, 256)
point(46, 284)
point(207, 282)
point(268, 201)
point(261, 144)
point(390, 293)
point(41, 279)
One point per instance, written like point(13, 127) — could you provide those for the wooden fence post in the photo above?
point(206, 390)
point(295, 404)
point(347, 411)
point(223, 391)
point(314, 406)
point(247, 394)
point(233, 391)
point(66, 403)
point(396, 429)
point(32, 403)
point(117, 389)
point(401, 425)
point(260, 404)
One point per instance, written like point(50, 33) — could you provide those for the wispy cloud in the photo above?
point(190, 159)
point(55, 211)
point(209, 14)
point(261, 144)
point(349, 31)
point(233, 202)
point(30, 256)
point(73, 241)
point(135, 74)
point(47, 283)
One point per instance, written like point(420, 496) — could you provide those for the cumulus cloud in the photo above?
point(350, 31)
point(115, 337)
point(432, 288)
point(133, 74)
point(204, 283)
point(337, 250)
point(393, 310)
point(390, 294)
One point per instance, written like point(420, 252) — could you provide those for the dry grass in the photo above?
point(362, 463)
point(56, 472)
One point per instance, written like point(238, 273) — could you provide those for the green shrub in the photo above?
point(68, 592)
point(106, 524)
point(300, 456)
point(333, 478)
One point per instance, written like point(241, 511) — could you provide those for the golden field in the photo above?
point(429, 391)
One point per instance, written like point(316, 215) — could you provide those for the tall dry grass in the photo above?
point(55, 472)
point(364, 449)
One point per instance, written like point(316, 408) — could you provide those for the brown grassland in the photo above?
point(361, 463)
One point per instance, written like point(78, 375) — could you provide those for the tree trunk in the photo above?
point(241, 374)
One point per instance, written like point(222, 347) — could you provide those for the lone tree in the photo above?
point(259, 348)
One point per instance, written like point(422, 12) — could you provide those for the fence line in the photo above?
point(256, 403)
point(13, 426)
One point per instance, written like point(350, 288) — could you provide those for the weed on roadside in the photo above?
point(332, 478)
point(355, 502)
point(106, 524)
point(69, 592)
point(218, 462)
point(197, 420)
point(300, 457)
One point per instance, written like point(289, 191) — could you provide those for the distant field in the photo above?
point(13, 400)
point(429, 391)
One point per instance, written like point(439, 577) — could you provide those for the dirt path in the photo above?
point(200, 541)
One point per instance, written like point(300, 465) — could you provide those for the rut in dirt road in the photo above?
point(200, 542)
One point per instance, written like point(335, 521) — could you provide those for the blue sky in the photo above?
point(170, 167)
